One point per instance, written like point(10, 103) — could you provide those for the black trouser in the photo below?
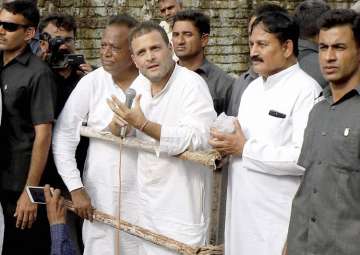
point(35, 241)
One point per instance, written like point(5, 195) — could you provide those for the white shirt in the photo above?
point(175, 194)
point(264, 180)
point(87, 103)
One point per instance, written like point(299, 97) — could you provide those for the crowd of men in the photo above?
point(293, 173)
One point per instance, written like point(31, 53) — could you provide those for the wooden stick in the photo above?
point(206, 158)
point(150, 236)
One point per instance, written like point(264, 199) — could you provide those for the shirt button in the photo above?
point(313, 219)
point(323, 133)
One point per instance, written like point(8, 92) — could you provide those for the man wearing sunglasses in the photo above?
point(28, 90)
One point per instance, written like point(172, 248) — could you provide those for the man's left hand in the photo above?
point(228, 144)
point(134, 116)
point(26, 211)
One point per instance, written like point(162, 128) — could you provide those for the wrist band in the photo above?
point(143, 125)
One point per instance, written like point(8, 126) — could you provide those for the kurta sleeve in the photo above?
point(282, 160)
point(67, 133)
point(192, 130)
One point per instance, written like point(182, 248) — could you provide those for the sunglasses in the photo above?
point(11, 27)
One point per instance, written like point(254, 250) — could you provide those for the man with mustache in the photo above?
point(101, 181)
point(174, 108)
point(325, 212)
point(263, 174)
point(28, 90)
point(246, 78)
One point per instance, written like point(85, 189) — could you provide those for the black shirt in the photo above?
point(325, 216)
point(28, 91)
point(219, 83)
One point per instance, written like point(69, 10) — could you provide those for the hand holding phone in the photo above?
point(55, 207)
point(36, 194)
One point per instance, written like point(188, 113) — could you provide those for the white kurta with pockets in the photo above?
point(262, 183)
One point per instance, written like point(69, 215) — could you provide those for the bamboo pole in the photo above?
point(205, 158)
point(150, 236)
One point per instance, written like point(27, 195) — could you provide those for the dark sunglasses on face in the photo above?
point(11, 27)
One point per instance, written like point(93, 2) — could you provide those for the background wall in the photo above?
point(228, 40)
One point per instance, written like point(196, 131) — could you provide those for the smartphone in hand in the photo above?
point(36, 194)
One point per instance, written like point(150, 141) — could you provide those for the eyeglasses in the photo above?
point(11, 27)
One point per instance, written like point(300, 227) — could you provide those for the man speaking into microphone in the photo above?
point(100, 188)
point(174, 108)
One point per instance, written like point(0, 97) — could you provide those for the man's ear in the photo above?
point(29, 33)
point(204, 40)
point(288, 48)
point(133, 59)
point(170, 46)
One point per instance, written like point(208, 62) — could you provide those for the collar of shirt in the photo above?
point(204, 68)
point(166, 26)
point(22, 58)
point(326, 93)
point(250, 74)
point(168, 83)
point(272, 80)
point(307, 45)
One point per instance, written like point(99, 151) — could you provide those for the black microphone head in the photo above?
point(130, 95)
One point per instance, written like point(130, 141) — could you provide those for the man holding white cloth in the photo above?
point(173, 106)
point(273, 112)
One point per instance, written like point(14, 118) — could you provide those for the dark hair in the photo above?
point(145, 28)
point(281, 25)
point(198, 19)
point(268, 7)
point(25, 8)
point(123, 19)
point(59, 20)
point(306, 15)
point(340, 17)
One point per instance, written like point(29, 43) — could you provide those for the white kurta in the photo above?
point(101, 174)
point(263, 182)
point(175, 194)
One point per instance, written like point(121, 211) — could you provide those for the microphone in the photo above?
point(129, 95)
